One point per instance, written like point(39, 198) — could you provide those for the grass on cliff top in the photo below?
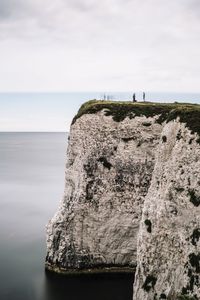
point(188, 113)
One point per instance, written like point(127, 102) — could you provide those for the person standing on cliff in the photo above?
point(144, 96)
point(134, 98)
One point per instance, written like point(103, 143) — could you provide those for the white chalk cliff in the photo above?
point(132, 198)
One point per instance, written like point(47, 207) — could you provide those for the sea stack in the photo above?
point(132, 197)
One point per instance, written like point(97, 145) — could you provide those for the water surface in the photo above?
point(31, 185)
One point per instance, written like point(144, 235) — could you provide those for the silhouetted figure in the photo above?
point(134, 98)
point(144, 96)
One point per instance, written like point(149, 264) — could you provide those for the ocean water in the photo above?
point(31, 185)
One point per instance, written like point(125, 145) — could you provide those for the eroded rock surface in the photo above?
point(108, 173)
point(168, 262)
point(132, 199)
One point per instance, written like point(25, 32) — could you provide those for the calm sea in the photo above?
point(31, 185)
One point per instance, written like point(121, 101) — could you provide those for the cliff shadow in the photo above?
point(89, 287)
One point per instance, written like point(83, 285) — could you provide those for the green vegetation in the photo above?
point(192, 275)
point(186, 297)
point(164, 138)
point(147, 124)
point(163, 296)
point(179, 136)
point(149, 225)
point(179, 189)
point(195, 199)
point(105, 162)
point(195, 261)
point(195, 236)
point(188, 113)
point(149, 283)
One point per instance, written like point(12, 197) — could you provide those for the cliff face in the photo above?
point(108, 173)
point(168, 262)
point(132, 198)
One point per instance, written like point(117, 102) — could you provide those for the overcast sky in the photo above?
point(88, 45)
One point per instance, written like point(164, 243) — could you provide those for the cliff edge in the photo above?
point(132, 197)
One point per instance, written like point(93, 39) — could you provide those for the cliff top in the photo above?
point(188, 113)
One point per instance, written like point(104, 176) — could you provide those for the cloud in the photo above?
point(90, 44)
point(7, 7)
point(114, 19)
point(194, 5)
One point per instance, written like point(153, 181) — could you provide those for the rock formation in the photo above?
point(168, 262)
point(132, 197)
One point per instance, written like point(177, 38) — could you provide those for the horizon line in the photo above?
point(100, 91)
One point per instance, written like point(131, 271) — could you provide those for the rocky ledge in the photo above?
point(132, 197)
